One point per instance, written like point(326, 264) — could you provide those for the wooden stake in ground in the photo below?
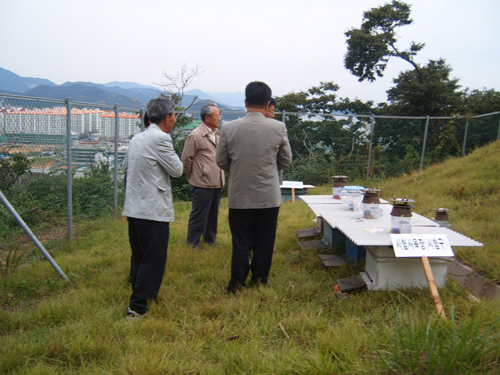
point(433, 287)
point(293, 194)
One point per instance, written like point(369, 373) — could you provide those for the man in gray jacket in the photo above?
point(150, 162)
point(252, 150)
point(205, 178)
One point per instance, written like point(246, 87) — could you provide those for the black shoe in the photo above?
point(232, 288)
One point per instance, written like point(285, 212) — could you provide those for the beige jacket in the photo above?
point(198, 159)
point(252, 150)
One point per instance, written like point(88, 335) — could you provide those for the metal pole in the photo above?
point(370, 148)
point(142, 119)
point(465, 136)
point(498, 136)
point(115, 185)
point(425, 143)
point(284, 122)
point(32, 236)
point(69, 171)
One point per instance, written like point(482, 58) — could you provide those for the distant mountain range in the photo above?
point(125, 94)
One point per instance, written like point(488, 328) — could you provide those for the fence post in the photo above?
point(498, 136)
point(115, 185)
point(141, 117)
point(465, 137)
point(284, 122)
point(69, 170)
point(425, 143)
point(370, 148)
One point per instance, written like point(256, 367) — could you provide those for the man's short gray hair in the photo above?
point(206, 110)
point(159, 108)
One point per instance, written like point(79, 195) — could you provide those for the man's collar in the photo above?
point(255, 113)
point(207, 129)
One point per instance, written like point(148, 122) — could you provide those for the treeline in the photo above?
point(386, 139)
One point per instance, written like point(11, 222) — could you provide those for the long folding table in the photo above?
point(369, 240)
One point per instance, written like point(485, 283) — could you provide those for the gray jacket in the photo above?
point(149, 163)
point(252, 150)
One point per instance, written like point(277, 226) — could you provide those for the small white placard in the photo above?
point(293, 184)
point(421, 245)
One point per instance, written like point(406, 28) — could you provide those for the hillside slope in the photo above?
point(470, 188)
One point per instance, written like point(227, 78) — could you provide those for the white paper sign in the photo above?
point(293, 184)
point(421, 245)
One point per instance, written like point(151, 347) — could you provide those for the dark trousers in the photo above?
point(204, 215)
point(252, 229)
point(149, 244)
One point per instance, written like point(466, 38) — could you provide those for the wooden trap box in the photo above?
point(311, 245)
point(388, 272)
point(309, 232)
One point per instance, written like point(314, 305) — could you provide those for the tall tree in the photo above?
point(421, 91)
point(370, 47)
point(428, 92)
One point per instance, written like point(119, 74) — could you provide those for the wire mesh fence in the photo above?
point(55, 167)
point(60, 161)
point(363, 146)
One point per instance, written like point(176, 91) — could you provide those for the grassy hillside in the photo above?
point(296, 325)
point(470, 188)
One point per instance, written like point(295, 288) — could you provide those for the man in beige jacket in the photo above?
point(206, 179)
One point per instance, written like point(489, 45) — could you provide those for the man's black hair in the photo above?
point(257, 94)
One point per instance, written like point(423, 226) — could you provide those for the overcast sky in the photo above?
point(289, 44)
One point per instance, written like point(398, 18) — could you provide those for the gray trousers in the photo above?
point(204, 215)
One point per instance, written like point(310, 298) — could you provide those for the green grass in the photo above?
point(296, 325)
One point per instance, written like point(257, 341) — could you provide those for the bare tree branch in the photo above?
point(176, 85)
